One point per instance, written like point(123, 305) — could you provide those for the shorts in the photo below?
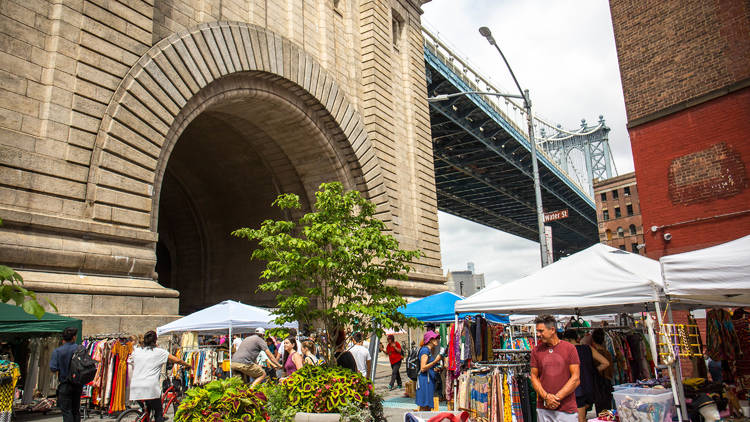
point(584, 401)
point(252, 370)
point(546, 415)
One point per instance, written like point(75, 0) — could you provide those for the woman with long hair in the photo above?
point(145, 364)
point(591, 361)
point(292, 358)
point(308, 352)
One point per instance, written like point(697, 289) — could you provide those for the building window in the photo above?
point(620, 232)
point(622, 247)
point(615, 195)
point(397, 25)
point(605, 215)
point(630, 209)
point(617, 212)
point(632, 229)
point(604, 196)
point(634, 247)
point(609, 234)
point(626, 190)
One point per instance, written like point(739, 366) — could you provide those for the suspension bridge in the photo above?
point(483, 169)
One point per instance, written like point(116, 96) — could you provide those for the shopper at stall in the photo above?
point(393, 350)
point(587, 357)
point(308, 353)
point(427, 375)
point(361, 355)
point(68, 393)
point(244, 361)
point(343, 357)
point(555, 370)
point(145, 365)
point(603, 378)
point(292, 358)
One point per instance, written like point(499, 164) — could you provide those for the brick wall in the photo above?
point(696, 164)
point(673, 51)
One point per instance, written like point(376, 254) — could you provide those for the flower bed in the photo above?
point(312, 389)
point(222, 400)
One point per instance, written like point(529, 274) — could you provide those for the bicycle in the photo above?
point(169, 398)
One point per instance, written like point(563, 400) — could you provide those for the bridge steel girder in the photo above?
point(516, 162)
point(483, 171)
point(523, 202)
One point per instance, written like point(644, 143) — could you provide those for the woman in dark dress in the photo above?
point(587, 356)
point(344, 358)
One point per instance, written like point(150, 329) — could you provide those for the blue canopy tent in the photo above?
point(440, 307)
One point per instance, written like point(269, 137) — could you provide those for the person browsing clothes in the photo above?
point(427, 377)
point(145, 366)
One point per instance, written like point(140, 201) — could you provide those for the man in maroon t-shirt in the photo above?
point(554, 374)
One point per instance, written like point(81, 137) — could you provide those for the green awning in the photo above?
point(13, 320)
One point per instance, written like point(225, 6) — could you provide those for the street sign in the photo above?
point(555, 215)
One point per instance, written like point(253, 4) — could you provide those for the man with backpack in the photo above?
point(68, 392)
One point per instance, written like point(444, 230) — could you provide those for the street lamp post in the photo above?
point(534, 166)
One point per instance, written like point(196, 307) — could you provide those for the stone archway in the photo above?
point(268, 104)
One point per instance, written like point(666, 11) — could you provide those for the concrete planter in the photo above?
point(317, 417)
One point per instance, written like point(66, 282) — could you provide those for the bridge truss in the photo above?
point(483, 163)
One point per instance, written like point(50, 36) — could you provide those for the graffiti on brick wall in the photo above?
point(713, 173)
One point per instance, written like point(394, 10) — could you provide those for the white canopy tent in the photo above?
point(715, 276)
point(598, 280)
point(238, 317)
point(226, 316)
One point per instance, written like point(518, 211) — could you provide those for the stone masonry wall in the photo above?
point(61, 63)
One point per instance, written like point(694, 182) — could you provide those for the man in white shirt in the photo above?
point(236, 342)
point(361, 355)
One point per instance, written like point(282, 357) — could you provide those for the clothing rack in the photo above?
point(499, 365)
point(511, 351)
point(106, 336)
point(606, 328)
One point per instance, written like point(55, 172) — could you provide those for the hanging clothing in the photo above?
point(9, 375)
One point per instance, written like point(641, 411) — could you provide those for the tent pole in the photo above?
point(672, 379)
point(680, 388)
point(455, 384)
point(230, 348)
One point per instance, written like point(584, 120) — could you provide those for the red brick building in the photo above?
point(618, 213)
point(685, 69)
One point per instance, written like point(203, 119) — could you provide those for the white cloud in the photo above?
point(563, 51)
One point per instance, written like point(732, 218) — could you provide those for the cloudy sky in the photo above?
point(563, 52)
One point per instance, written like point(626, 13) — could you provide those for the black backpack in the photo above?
point(82, 367)
point(412, 364)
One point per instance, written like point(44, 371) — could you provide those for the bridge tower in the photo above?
point(592, 145)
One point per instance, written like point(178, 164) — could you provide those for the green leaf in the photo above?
point(34, 308)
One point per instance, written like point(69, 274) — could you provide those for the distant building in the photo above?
point(465, 283)
point(618, 212)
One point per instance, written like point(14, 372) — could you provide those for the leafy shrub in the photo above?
point(323, 389)
point(222, 400)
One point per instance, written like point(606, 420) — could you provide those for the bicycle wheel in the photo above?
point(131, 415)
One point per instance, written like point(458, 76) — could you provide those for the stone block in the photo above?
point(99, 324)
point(161, 306)
point(117, 305)
point(67, 303)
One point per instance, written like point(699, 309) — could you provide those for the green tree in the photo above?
point(11, 288)
point(331, 266)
